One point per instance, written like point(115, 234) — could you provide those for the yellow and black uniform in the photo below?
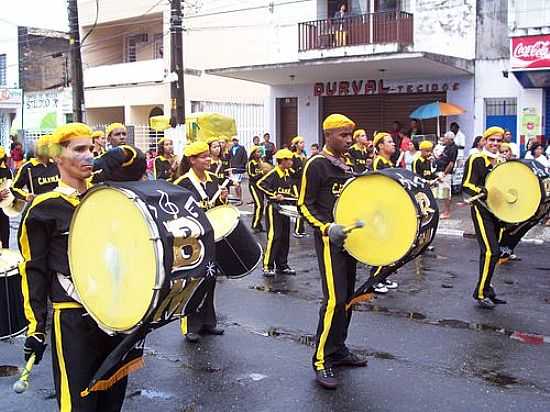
point(423, 168)
point(99, 151)
point(121, 163)
point(277, 181)
point(162, 168)
point(380, 163)
point(359, 157)
point(5, 175)
point(44, 178)
point(203, 192)
point(79, 347)
point(322, 183)
point(298, 163)
point(488, 228)
point(255, 172)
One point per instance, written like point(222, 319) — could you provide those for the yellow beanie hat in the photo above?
point(357, 132)
point(70, 131)
point(492, 131)
point(283, 154)
point(296, 140)
point(114, 126)
point(378, 137)
point(336, 121)
point(195, 148)
point(425, 144)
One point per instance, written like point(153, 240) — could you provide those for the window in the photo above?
point(501, 107)
point(158, 46)
point(2, 69)
point(532, 13)
point(131, 46)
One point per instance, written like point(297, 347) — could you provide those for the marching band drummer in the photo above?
point(487, 226)
point(359, 152)
point(204, 185)
point(116, 134)
point(297, 146)
point(280, 188)
point(422, 164)
point(385, 148)
point(255, 172)
point(5, 177)
point(79, 346)
point(165, 165)
point(37, 175)
point(98, 139)
point(324, 176)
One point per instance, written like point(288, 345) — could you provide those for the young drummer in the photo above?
point(116, 134)
point(5, 177)
point(324, 176)
point(204, 185)
point(359, 152)
point(37, 175)
point(255, 172)
point(280, 189)
point(297, 145)
point(98, 139)
point(79, 346)
point(486, 225)
point(166, 162)
point(218, 166)
point(422, 165)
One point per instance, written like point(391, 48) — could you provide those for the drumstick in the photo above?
point(219, 192)
point(31, 186)
point(474, 198)
point(291, 199)
point(357, 225)
point(22, 383)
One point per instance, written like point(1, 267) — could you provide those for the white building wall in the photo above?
point(9, 47)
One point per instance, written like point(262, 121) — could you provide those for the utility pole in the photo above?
point(177, 94)
point(77, 81)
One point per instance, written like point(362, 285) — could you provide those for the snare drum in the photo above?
point(12, 314)
point(399, 212)
point(288, 210)
point(138, 252)
point(237, 250)
point(518, 191)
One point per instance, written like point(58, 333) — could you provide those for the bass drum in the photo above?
point(138, 252)
point(518, 191)
point(12, 315)
point(399, 212)
point(237, 250)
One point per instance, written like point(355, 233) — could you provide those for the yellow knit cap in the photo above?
point(43, 141)
point(70, 131)
point(296, 140)
point(254, 148)
point(357, 132)
point(2, 152)
point(97, 133)
point(492, 131)
point(336, 121)
point(505, 146)
point(283, 154)
point(195, 148)
point(114, 126)
point(378, 137)
point(426, 144)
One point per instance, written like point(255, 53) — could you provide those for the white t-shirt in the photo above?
point(543, 161)
point(515, 150)
point(460, 138)
point(474, 150)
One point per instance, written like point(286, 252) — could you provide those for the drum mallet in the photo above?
point(357, 225)
point(22, 383)
point(474, 198)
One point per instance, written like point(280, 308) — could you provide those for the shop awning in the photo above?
point(533, 79)
point(389, 66)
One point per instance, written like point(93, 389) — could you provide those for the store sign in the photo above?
point(10, 97)
point(365, 87)
point(44, 110)
point(530, 52)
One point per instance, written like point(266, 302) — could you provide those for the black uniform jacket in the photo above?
point(423, 168)
point(254, 170)
point(476, 169)
point(278, 181)
point(162, 168)
point(44, 178)
point(381, 163)
point(359, 157)
point(203, 192)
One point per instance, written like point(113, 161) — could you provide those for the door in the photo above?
point(288, 120)
point(503, 113)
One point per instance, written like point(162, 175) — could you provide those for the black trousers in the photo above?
point(338, 271)
point(4, 230)
point(79, 348)
point(512, 235)
point(488, 230)
point(258, 197)
point(205, 315)
point(299, 226)
point(278, 239)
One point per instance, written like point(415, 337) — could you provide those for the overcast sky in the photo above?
point(50, 14)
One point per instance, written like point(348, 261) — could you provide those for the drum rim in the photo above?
point(13, 335)
point(13, 270)
point(253, 268)
point(524, 163)
point(418, 220)
point(232, 227)
point(160, 275)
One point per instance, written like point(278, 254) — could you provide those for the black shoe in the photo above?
point(485, 303)
point(192, 337)
point(351, 359)
point(498, 301)
point(286, 271)
point(212, 330)
point(326, 378)
point(257, 230)
point(269, 273)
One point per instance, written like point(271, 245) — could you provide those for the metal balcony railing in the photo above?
point(372, 28)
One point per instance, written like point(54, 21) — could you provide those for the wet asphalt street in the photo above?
point(429, 347)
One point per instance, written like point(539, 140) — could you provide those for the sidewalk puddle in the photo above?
point(8, 370)
point(151, 394)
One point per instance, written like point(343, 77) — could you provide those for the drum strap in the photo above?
point(197, 185)
point(67, 285)
point(338, 162)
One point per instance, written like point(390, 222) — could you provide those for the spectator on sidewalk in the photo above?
point(513, 146)
point(460, 138)
point(314, 150)
point(537, 153)
point(444, 168)
point(237, 162)
point(477, 145)
point(269, 148)
point(414, 129)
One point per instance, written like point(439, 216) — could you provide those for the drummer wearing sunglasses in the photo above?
point(487, 226)
point(79, 346)
point(323, 178)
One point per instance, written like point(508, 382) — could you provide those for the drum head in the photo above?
point(9, 260)
point(113, 258)
point(224, 220)
point(389, 214)
point(514, 193)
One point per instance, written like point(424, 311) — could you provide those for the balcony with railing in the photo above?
point(367, 29)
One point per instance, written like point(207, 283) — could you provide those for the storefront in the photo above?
point(10, 111)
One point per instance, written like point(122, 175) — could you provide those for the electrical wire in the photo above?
point(95, 22)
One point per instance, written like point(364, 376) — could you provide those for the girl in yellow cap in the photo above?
point(255, 172)
point(360, 152)
point(203, 185)
point(166, 163)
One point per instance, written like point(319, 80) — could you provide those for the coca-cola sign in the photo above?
point(530, 52)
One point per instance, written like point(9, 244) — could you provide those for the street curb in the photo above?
point(462, 233)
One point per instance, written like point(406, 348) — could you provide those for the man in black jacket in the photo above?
point(237, 162)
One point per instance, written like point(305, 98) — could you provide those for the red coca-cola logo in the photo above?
point(531, 52)
point(538, 50)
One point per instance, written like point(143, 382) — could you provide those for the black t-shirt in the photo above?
point(449, 155)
